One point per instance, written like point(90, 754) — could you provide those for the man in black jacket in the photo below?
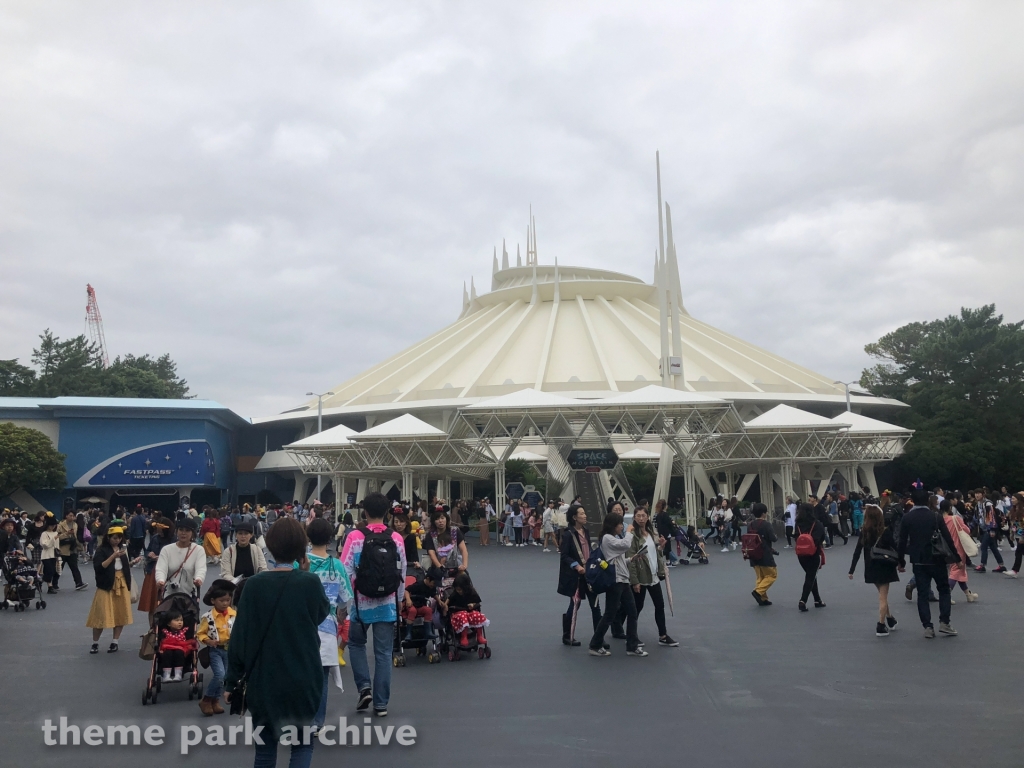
point(765, 571)
point(666, 529)
point(916, 531)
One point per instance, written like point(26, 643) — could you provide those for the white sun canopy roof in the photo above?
point(524, 398)
point(405, 425)
point(334, 436)
point(782, 416)
point(654, 394)
point(860, 423)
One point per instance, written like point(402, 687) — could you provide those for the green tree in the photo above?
point(520, 471)
point(963, 377)
point(642, 477)
point(74, 367)
point(15, 379)
point(28, 460)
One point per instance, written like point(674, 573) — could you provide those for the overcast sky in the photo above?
point(283, 194)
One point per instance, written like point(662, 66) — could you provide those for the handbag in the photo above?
point(134, 591)
point(238, 695)
point(969, 544)
point(938, 549)
point(148, 649)
point(884, 555)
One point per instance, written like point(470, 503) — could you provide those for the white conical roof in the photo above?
point(859, 423)
point(599, 338)
point(329, 437)
point(783, 415)
point(405, 425)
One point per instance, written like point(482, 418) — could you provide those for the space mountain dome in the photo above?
point(549, 334)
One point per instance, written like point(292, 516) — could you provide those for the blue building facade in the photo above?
point(129, 451)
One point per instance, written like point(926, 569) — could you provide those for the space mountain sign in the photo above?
point(175, 463)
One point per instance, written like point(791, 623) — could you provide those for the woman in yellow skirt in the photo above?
point(112, 603)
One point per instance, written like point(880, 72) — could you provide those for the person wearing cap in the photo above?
point(9, 536)
point(214, 631)
point(241, 559)
point(181, 567)
point(112, 604)
point(67, 541)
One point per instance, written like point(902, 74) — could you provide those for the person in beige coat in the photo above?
point(243, 558)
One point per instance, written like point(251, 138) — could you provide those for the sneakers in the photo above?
point(786, 547)
point(945, 629)
point(94, 648)
point(929, 633)
point(638, 651)
point(668, 642)
point(165, 675)
point(802, 606)
point(599, 652)
point(177, 675)
point(980, 569)
point(1000, 569)
point(365, 697)
point(545, 550)
point(972, 597)
point(891, 622)
point(757, 597)
point(909, 592)
point(881, 630)
point(113, 647)
point(725, 549)
point(1010, 574)
point(733, 545)
point(81, 586)
point(819, 604)
point(380, 713)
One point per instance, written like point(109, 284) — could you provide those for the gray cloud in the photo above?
point(282, 195)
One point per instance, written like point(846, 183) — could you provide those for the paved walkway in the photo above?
point(748, 685)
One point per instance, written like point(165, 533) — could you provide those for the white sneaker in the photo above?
point(166, 675)
point(1010, 574)
point(725, 549)
point(177, 675)
point(545, 549)
point(786, 546)
point(972, 597)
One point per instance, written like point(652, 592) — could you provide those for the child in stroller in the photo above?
point(694, 544)
point(176, 657)
point(416, 628)
point(173, 645)
point(461, 608)
point(23, 582)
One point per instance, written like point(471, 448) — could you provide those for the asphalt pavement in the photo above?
point(747, 685)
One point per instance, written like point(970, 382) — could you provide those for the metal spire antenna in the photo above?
point(94, 324)
point(531, 240)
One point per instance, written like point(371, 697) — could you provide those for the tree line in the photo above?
point(74, 368)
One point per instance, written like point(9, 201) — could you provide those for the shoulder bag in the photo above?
point(969, 544)
point(238, 702)
point(938, 549)
point(884, 555)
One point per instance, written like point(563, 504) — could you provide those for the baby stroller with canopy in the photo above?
point(188, 606)
point(22, 582)
point(418, 634)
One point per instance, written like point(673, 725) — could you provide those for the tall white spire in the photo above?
point(672, 295)
point(504, 255)
point(494, 269)
point(472, 290)
point(519, 259)
point(465, 298)
point(558, 292)
point(660, 282)
point(531, 240)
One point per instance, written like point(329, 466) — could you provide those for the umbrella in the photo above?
point(668, 589)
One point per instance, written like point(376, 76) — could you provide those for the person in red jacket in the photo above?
point(174, 643)
point(209, 533)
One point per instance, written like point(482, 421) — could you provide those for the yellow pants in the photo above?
point(765, 578)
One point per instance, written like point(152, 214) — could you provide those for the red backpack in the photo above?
point(805, 545)
point(752, 546)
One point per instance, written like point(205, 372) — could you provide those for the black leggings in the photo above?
point(50, 575)
point(172, 658)
point(789, 535)
point(1018, 556)
point(654, 590)
point(810, 564)
point(519, 535)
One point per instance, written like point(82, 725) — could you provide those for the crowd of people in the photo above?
point(284, 608)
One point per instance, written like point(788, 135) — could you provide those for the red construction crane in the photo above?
point(94, 324)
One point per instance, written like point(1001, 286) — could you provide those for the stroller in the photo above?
point(188, 606)
point(23, 584)
point(694, 544)
point(418, 634)
point(475, 637)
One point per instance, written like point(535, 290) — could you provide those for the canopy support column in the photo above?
point(407, 485)
point(692, 494)
point(499, 488)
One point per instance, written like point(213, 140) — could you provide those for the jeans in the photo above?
point(988, 541)
point(383, 644)
point(619, 594)
point(266, 755)
point(71, 561)
point(810, 564)
point(321, 713)
point(218, 665)
point(925, 574)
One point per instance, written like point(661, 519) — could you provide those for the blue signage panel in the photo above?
point(177, 463)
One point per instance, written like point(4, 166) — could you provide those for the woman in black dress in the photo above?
point(878, 571)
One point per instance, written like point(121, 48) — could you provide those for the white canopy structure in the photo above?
point(555, 357)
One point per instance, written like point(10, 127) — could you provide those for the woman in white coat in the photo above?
point(181, 567)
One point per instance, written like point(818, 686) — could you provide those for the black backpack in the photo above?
point(379, 571)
